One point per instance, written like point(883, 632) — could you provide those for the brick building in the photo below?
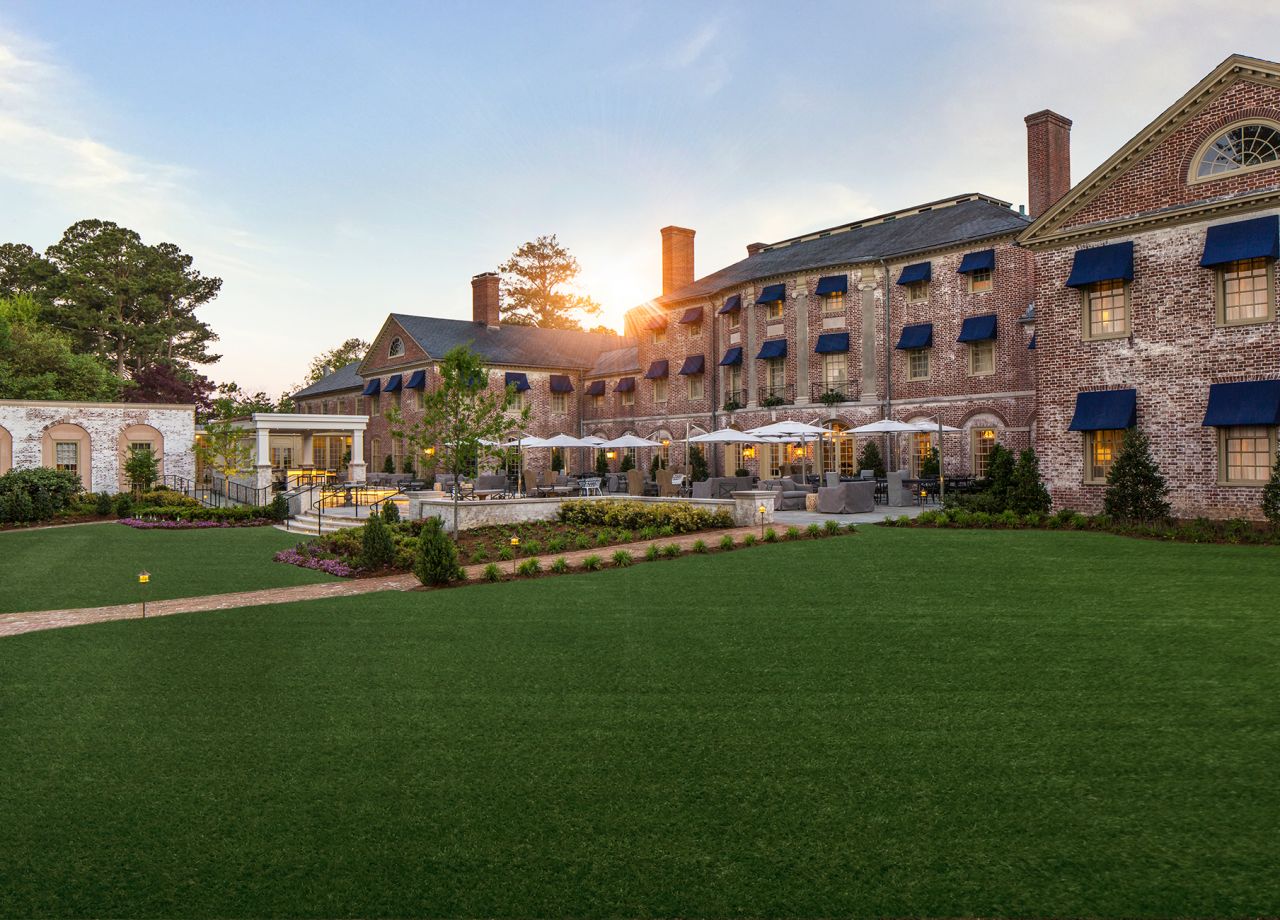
point(1145, 294)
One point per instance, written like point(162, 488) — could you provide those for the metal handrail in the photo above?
point(847, 389)
point(785, 393)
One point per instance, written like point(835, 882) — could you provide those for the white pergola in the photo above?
point(308, 425)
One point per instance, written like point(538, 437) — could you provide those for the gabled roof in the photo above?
point(616, 361)
point(521, 346)
point(344, 378)
point(936, 225)
point(1049, 225)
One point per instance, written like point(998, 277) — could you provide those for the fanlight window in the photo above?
point(1241, 147)
point(397, 348)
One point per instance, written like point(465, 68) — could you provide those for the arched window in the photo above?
point(140, 437)
point(1250, 145)
point(66, 446)
point(396, 348)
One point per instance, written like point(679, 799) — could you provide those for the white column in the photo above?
point(308, 450)
point(262, 458)
point(356, 468)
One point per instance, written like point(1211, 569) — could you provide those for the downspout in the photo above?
point(888, 359)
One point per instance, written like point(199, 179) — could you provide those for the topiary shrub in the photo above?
point(871, 459)
point(698, 469)
point(436, 561)
point(103, 504)
point(377, 549)
point(1135, 488)
point(389, 464)
point(1027, 494)
point(390, 512)
point(278, 510)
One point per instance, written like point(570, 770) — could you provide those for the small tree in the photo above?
point(871, 459)
point(1000, 463)
point(698, 468)
point(628, 462)
point(602, 464)
point(1027, 494)
point(1136, 489)
point(929, 465)
point(406, 465)
point(654, 465)
point(390, 512)
point(1271, 495)
point(557, 460)
point(389, 464)
point(224, 448)
point(377, 549)
point(278, 510)
point(460, 418)
point(436, 562)
point(141, 469)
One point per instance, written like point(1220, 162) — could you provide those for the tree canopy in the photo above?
point(534, 279)
point(352, 349)
point(38, 361)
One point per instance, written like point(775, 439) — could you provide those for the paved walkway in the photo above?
point(12, 624)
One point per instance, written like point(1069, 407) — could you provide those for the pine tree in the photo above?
point(1000, 465)
point(1135, 488)
point(602, 464)
point(698, 468)
point(377, 548)
point(1027, 494)
point(1271, 495)
point(436, 562)
point(871, 459)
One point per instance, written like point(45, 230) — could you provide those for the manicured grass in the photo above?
point(904, 723)
point(98, 564)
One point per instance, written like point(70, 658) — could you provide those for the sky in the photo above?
point(335, 162)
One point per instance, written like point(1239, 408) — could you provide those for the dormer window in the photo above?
point(1253, 145)
point(396, 348)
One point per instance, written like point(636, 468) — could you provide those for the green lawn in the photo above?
point(902, 723)
point(98, 564)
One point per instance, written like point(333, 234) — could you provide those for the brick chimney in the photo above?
point(677, 258)
point(753, 248)
point(1048, 160)
point(485, 299)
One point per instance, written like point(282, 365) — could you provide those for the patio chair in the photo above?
point(635, 482)
point(680, 484)
point(847, 498)
point(490, 484)
point(666, 488)
point(702, 489)
point(789, 496)
point(590, 485)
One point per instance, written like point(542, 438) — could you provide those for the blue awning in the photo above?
point(731, 357)
point(625, 385)
point(731, 303)
point(560, 383)
point(983, 261)
point(372, 387)
point(978, 328)
point(919, 335)
point(774, 348)
point(772, 292)
point(913, 274)
point(657, 370)
point(833, 284)
point(1032, 343)
point(691, 316)
point(1105, 410)
point(694, 364)
point(1253, 402)
point(417, 381)
point(595, 388)
point(831, 342)
point(1245, 239)
point(1102, 263)
point(517, 379)
point(393, 383)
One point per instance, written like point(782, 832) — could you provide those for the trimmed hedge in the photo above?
point(680, 517)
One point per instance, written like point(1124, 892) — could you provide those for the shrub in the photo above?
point(929, 465)
point(770, 535)
point(582, 541)
point(698, 469)
point(699, 546)
point(531, 548)
point(622, 559)
point(1271, 495)
point(506, 554)
point(602, 538)
point(124, 505)
point(436, 562)
point(648, 533)
point(377, 550)
point(871, 459)
point(556, 544)
point(814, 530)
point(103, 504)
point(592, 563)
point(529, 568)
point(726, 542)
point(491, 573)
point(140, 469)
point(672, 550)
point(1027, 493)
point(831, 527)
point(652, 553)
point(748, 539)
point(390, 512)
point(666, 530)
point(388, 465)
point(479, 554)
point(850, 528)
point(1135, 488)
point(681, 517)
point(278, 510)
point(602, 464)
point(560, 566)
point(792, 533)
point(17, 508)
point(43, 492)
point(1009, 518)
point(1000, 465)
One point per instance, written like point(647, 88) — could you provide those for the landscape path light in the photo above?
point(761, 509)
point(144, 579)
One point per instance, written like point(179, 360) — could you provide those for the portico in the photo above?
point(302, 430)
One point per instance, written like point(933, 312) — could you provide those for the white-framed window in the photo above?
point(1106, 309)
point(1245, 454)
point(918, 291)
point(982, 440)
point(559, 402)
point(1241, 147)
point(982, 358)
point(696, 386)
point(981, 281)
point(773, 310)
point(660, 390)
point(776, 376)
point(734, 320)
point(733, 382)
point(66, 456)
point(1245, 293)
point(833, 302)
point(629, 397)
point(918, 364)
point(597, 401)
point(833, 371)
point(1100, 451)
point(396, 348)
point(659, 335)
point(695, 329)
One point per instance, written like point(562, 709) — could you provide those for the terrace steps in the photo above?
point(313, 524)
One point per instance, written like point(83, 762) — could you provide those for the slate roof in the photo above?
point(886, 237)
point(344, 378)
point(616, 361)
point(521, 346)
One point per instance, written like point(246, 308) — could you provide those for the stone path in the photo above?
point(12, 624)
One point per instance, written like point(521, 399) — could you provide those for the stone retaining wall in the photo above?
point(471, 514)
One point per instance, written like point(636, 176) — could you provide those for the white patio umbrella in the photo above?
point(520, 443)
point(726, 436)
point(629, 440)
point(567, 440)
point(923, 424)
point(885, 426)
point(793, 431)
